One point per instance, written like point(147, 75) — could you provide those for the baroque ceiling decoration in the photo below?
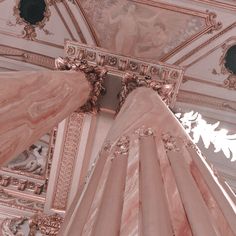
point(135, 25)
point(24, 18)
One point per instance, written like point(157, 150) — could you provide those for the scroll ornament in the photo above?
point(39, 223)
point(95, 76)
point(132, 81)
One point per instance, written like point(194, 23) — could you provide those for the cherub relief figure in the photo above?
point(32, 160)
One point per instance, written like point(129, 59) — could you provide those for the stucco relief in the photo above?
point(34, 159)
point(140, 30)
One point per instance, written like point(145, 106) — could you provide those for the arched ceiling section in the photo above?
point(39, 44)
point(146, 29)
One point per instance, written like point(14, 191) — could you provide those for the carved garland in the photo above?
point(95, 76)
point(39, 223)
point(131, 81)
point(29, 31)
point(230, 82)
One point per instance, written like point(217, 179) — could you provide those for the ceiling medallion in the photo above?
point(227, 63)
point(31, 14)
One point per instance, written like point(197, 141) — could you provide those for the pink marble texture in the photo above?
point(152, 190)
point(32, 103)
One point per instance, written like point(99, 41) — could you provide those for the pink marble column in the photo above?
point(110, 211)
point(154, 208)
point(32, 103)
point(78, 212)
point(163, 187)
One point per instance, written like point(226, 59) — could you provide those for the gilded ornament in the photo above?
point(122, 146)
point(94, 74)
point(132, 81)
point(230, 82)
point(170, 142)
point(29, 31)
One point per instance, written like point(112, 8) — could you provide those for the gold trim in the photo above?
point(92, 31)
point(209, 18)
point(29, 29)
point(206, 43)
point(27, 56)
point(35, 40)
point(206, 101)
point(63, 20)
point(77, 27)
point(216, 3)
point(68, 156)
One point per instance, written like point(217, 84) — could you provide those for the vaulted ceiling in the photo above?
point(194, 34)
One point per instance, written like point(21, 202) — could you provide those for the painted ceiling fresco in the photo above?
point(139, 30)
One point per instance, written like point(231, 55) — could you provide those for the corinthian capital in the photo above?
point(130, 82)
point(95, 76)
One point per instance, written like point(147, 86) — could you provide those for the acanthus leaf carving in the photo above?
point(95, 76)
point(164, 88)
point(170, 142)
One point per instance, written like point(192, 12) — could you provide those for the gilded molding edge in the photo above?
point(230, 82)
point(29, 31)
point(17, 202)
point(95, 76)
point(22, 184)
point(67, 161)
point(206, 43)
point(112, 61)
point(45, 224)
point(27, 56)
point(219, 4)
point(120, 65)
point(208, 101)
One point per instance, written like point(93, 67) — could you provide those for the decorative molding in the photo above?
point(209, 17)
point(89, 27)
point(207, 101)
point(122, 146)
point(145, 132)
point(22, 183)
point(46, 225)
point(67, 161)
point(11, 227)
point(17, 202)
point(116, 62)
point(165, 89)
point(226, 46)
point(74, 20)
point(27, 56)
point(170, 142)
point(219, 4)
point(230, 82)
point(29, 30)
point(50, 153)
point(38, 224)
point(206, 43)
point(95, 76)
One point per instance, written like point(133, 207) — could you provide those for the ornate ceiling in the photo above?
point(193, 34)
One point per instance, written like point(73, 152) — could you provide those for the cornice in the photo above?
point(27, 56)
point(206, 101)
